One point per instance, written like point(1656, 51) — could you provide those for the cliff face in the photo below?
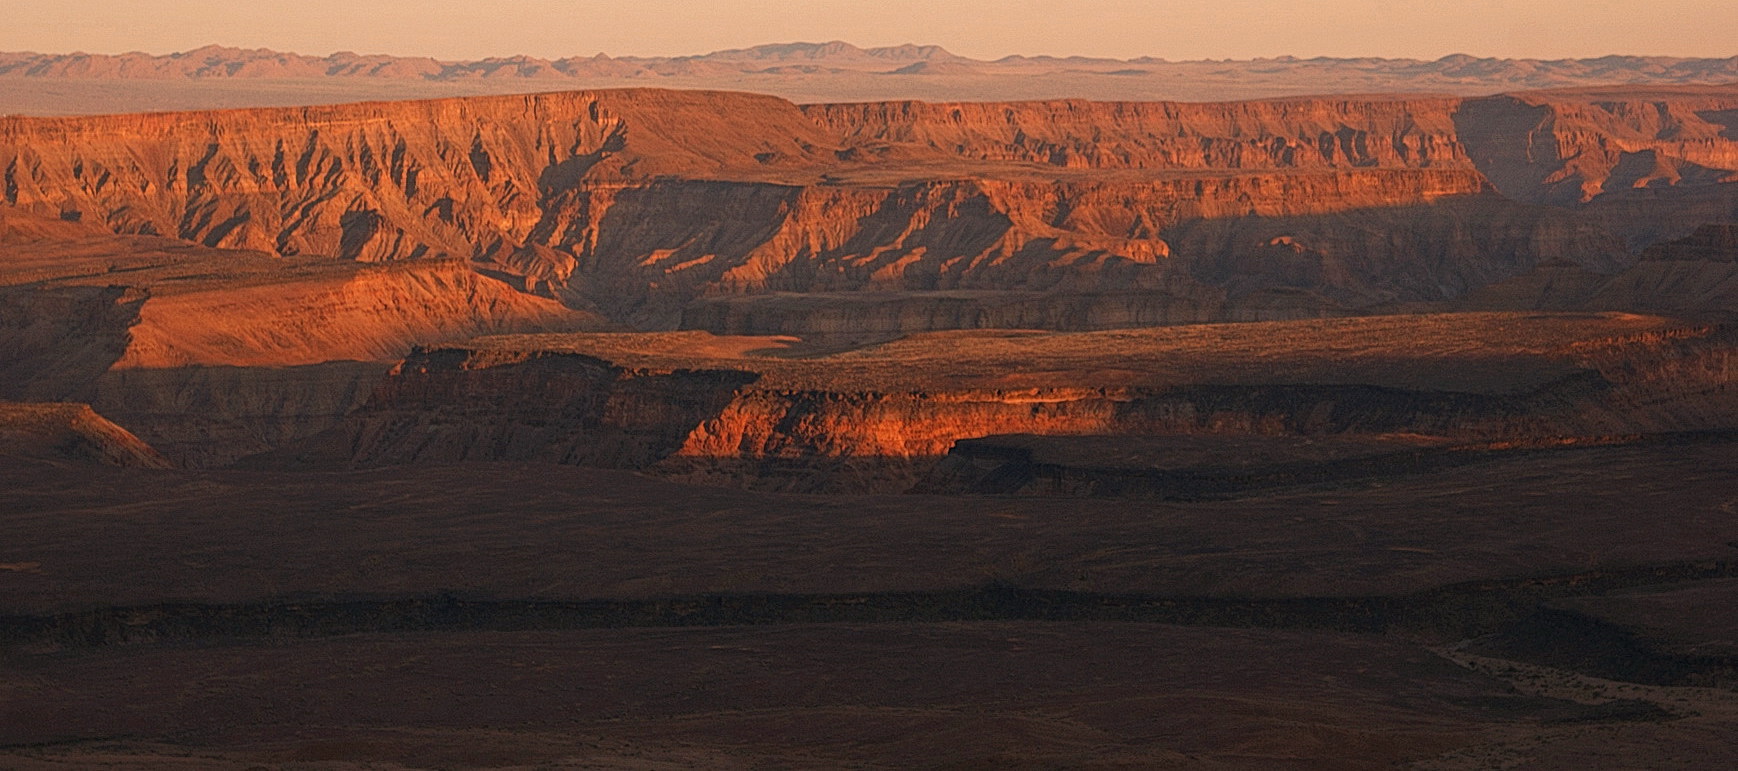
point(1692, 277)
point(657, 248)
point(199, 351)
point(718, 426)
point(876, 416)
point(1326, 133)
point(209, 416)
point(55, 342)
point(379, 181)
point(448, 405)
point(640, 202)
point(1572, 146)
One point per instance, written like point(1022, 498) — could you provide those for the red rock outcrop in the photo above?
point(373, 314)
point(200, 351)
point(62, 432)
point(380, 181)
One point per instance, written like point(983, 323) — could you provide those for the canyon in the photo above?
point(230, 283)
point(660, 428)
point(662, 208)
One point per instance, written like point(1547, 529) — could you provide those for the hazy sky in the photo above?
point(1173, 29)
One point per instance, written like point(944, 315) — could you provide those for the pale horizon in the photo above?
point(1121, 29)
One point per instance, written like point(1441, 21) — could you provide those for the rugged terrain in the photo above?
point(679, 428)
point(232, 283)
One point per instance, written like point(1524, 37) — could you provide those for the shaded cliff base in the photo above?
point(1220, 467)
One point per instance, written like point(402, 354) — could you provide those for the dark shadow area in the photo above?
point(56, 341)
point(1453, 612)
point(447, 405)
point(1036, 466)
point(1510, 143)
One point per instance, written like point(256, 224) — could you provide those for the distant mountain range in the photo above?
point(216, 77)
point(841, 58)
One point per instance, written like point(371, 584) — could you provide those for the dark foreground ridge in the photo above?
point(1513, 616)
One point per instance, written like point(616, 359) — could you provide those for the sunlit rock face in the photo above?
point(641, 203)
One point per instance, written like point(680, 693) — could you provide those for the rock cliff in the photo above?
point(754, 410)
point(1572, 146)
point(163, 244)
point(640, 202)
point(1323, 133)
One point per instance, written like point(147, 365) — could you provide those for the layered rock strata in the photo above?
point(640, 202)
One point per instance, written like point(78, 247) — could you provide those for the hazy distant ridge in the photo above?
point(1457, 72)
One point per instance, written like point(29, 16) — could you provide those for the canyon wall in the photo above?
point(638, 203)
point(378, 181)
point(1572, 146)
point(1321, 133)
point(878, 416)
point(212, 355)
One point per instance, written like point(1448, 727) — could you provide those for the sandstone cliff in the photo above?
point(1323, 133)
point(379, 181)
point(637, 203)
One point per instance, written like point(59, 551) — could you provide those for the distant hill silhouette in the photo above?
point(1458, 70)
